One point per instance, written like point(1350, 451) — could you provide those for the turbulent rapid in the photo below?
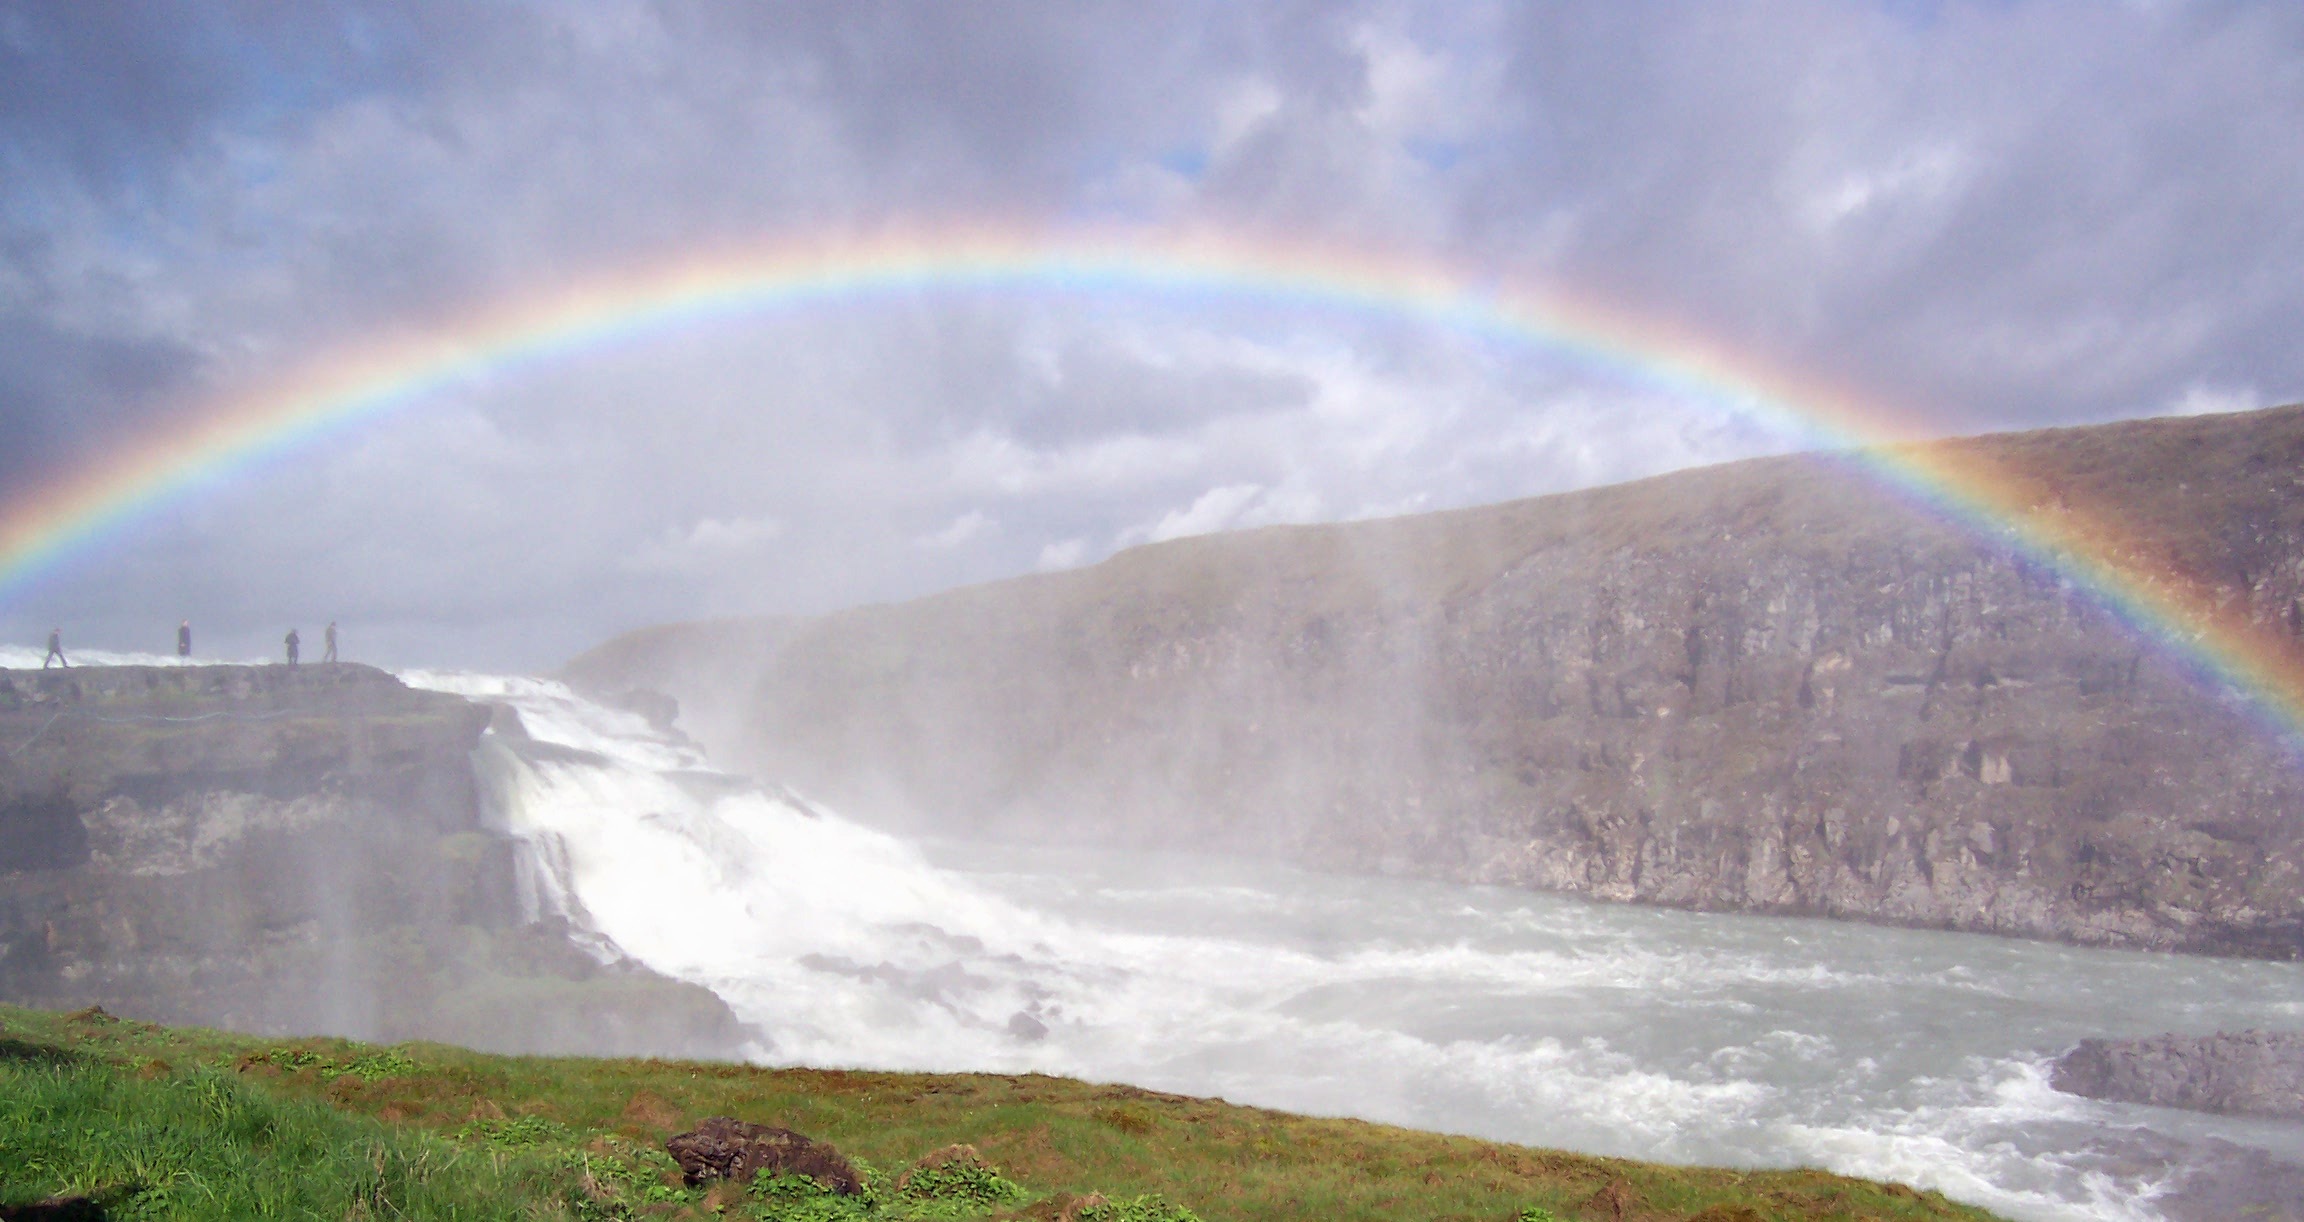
point(1891, 1054)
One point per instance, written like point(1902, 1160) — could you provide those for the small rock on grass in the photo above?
point(724, 1147)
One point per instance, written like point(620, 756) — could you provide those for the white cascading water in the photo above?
point(842, 944)
point(1891, 1054)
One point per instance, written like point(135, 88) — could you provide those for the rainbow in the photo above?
point(230, 433)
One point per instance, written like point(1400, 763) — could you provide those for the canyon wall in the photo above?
point(1774, 686)
point(286, 849)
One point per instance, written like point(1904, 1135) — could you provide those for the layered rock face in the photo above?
point(1769, 686)
point(292, 849)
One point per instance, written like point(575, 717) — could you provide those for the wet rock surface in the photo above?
point(2247, 1073)
point(2208, 1180)
point(1772, 686)
point(723, 1147)
point(2235, 1182)
point(289, 849)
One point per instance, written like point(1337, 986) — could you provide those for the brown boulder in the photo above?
point(726, 1148)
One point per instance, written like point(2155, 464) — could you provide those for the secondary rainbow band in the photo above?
point(51, 522)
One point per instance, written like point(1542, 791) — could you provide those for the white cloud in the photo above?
point(1920, 174)
point(1062, 554)
point(1246, 106)
point(1407, 84)
point(2200, 399)
point(959, 530)
point(703, 543)
point(1214, 510)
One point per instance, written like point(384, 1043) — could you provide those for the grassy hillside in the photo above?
point(152, 1122)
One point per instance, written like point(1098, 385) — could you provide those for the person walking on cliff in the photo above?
point(293, 642)
point(329, 654)
point(55, 649)
point(184, 639)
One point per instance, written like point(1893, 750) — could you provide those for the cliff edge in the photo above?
point(272, 848)
point(1768, 686)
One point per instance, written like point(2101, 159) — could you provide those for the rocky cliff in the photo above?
point(1768, 686)
point(288, 849)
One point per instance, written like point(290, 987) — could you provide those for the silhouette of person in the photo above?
point(184, 639)
point(55, 649)
point(293, 642)
point(330, 655)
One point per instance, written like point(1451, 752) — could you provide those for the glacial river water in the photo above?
point(1886, 1053)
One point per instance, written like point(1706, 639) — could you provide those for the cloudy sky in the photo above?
point(1998, 214)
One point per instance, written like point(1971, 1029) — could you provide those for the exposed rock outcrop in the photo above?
point(1769, 686)
point(2249, 1073)
point(726, 1148)
point(291, 849)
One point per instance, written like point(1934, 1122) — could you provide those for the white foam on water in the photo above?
point(1966, 1139)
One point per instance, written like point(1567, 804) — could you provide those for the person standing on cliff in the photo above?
point(55, 649)
point(184, 639)
point(329, 654)
point(293, 642)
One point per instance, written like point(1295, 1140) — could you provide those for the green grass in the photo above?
point(202, 1144)
point(181, 1123)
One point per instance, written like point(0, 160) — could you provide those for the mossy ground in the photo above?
point(160, 1122)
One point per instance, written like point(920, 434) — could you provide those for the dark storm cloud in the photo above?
point(70, 394)
point(104, 88)
point(2000, 214)
point(104, 109)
